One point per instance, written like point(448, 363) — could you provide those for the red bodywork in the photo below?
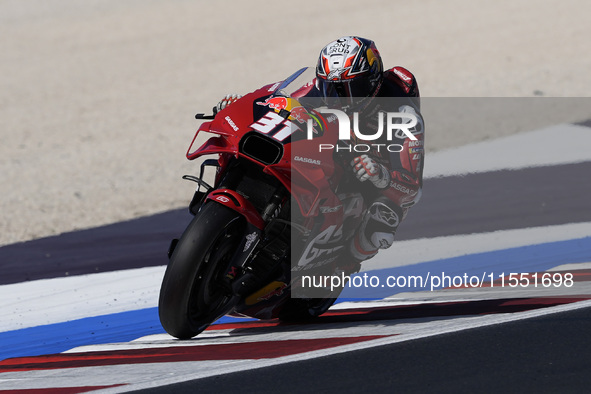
point(309, 174)
point(308, 181)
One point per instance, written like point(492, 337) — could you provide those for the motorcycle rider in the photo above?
point(350, 76)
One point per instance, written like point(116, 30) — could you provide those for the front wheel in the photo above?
point(193, 293)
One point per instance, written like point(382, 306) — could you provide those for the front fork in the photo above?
point(239, 277)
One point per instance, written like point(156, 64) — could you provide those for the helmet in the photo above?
point(349, 71)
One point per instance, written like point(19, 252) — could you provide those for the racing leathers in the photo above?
point(393, 167)
point(395, 175)
point(400, 185)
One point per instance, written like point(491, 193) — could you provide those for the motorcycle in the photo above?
point(279, 212)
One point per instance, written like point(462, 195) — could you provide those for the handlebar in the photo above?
point(203, 116)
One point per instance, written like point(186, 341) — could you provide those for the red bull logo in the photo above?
point(273, 289)
point(276, 103)
point(297, 113)
point(277, 292)
point(300, 114)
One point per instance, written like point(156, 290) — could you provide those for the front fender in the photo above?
point(238, 203)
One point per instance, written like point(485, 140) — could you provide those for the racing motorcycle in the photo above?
point(279, 211)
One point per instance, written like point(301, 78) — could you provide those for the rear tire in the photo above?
point(193, 294)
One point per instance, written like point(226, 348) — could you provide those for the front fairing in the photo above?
point(272, 119)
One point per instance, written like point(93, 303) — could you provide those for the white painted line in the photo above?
point(58, 300)
point(404, 253)
point(529, 149)
point(570, 267)
point(436, 328)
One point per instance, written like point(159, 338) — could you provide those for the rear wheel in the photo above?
point(193, 293)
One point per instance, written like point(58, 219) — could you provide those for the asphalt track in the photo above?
point(450, 340)
point(525, 356)
point(473, 203)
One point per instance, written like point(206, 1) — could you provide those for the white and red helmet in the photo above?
point(349, 70)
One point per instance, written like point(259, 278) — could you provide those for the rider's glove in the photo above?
point(229, 99)
point(366, 168)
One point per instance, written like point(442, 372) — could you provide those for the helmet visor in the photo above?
point(346, 92)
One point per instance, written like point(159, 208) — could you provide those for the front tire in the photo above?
point(193, 293)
